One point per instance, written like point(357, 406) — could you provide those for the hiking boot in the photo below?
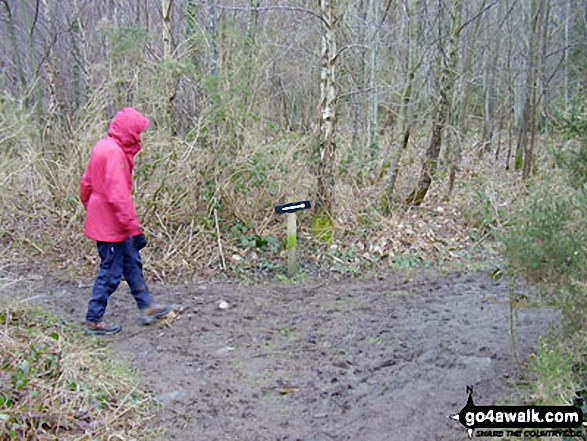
point(154, 312)
point(102, 328)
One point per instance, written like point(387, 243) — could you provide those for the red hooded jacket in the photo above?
point(106, 184)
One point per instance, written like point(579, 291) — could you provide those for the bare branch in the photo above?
point(476, 16)
point(349, 46)
point(387, 8)
point(36, 18)
point(565, 48)
point(274, 8)
point(343, 96)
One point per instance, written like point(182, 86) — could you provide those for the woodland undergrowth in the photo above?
point(187, 190)
point(544, 244)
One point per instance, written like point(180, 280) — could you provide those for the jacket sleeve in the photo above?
point(118, 194)
point(85, 189)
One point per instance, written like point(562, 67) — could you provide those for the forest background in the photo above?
point(423, 132)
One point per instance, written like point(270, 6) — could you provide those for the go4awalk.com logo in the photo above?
point(508, 421)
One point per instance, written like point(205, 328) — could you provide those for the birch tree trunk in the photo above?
point(167, 8)
point(322, 224)
point(168, 68)
point(447, 80)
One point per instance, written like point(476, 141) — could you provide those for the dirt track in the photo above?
point(386, 359)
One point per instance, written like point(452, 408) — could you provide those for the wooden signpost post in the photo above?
point(292, 234)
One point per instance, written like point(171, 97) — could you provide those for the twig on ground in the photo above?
point(219, 240)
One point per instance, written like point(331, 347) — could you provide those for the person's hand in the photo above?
point(139, 241)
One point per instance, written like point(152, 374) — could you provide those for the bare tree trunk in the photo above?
point(138, 12)
point(569, 8)
point(539, 91)
point(374, 6)
point(460, 109)
point(147, 21)
point(15, 49)
point(544, 95)
point(401, 135)
point(250, 52)
point(510, 112)
point(461, 116)
point(31, 26)
point(527, 129)
point(524, 120)
point(54, 109)
point(213, 37)
point(327, 123)
point(111, 14)
point(213, 67)
point(490, 73)
point(357, 101)
point(252, 24)
point(78, 65)
point(447, 79)
point(169, 86)
point(167, 10)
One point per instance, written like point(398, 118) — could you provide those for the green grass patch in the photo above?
point(323, 227)
point(555, 383)
point(560, 368)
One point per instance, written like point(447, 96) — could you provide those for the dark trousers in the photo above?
point(117, 259)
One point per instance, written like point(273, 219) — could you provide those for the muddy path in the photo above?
point(384, 359)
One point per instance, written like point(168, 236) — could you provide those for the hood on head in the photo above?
point(126, 128)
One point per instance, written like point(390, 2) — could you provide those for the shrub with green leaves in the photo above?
point(546, 244)
point(572, 154)
point(546, 241)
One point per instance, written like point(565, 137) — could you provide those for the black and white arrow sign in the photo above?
point(292, 207)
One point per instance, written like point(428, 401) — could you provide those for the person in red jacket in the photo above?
point(111, 221)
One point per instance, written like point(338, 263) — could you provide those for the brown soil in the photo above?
point(383, 359)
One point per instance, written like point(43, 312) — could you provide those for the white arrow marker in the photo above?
point(293, 207)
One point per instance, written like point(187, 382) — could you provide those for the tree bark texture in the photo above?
point(528, 121)
point(447, 80)
point(402, 131)
point(460, 113)
point(327, 111)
